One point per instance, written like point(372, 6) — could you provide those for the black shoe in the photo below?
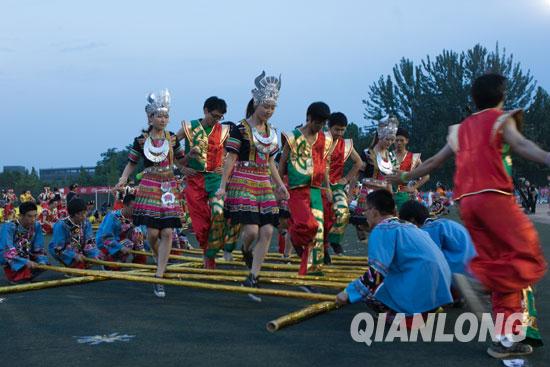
point(248, 257)
point(497, 350)
point(337, 248)
point(252, 282)
point(326, 258)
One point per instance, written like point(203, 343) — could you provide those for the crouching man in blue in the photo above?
point(117, 234)
point(407, 271)
point(73, 238)
point(22, 245)
point(451, 237)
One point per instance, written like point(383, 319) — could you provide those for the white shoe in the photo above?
point(158, 289)
point(227, 256)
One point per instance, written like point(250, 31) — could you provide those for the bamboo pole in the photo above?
point(301, 315)
point(326, 269)
point(262, 279)
point(184, 269)
point(189, 284)
point(274, 255)
point(20, 288)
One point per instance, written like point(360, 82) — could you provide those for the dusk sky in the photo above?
point(74, 74)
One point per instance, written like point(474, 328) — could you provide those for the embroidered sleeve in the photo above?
point(135, 152)
point(108, 235)
point(8, 250)
point(38, 251)
point(234, 141)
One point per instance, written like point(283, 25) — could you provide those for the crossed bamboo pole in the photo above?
point(337, 260)
point(190, 284)
point(87, 276)
point(326, 269)
point(189, 269)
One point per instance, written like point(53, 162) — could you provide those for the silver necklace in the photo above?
point(156, 154)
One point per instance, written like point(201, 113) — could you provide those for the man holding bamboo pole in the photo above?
point(117, 234)
point(407, 271)
point(22, 245)
point(73, 238)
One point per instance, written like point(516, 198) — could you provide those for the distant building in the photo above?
point(63, 174)
point(19, 169)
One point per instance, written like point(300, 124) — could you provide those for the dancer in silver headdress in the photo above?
point(248, 173)
point(156, 205)
point(379, 162)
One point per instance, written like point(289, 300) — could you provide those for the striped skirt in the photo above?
point(250, 198)
point(149, 209)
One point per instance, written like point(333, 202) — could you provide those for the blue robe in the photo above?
point(69, 240)
point(416, 275)
point(109, 233)
point(453, 240)
point(18, 246)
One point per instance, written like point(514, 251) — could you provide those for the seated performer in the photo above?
point(407, 271)
point(117, 234)
point(451, 237)
point(22, 245)
point(73, 239)
point(337, 213)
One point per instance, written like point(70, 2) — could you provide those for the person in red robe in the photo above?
point(509, 258)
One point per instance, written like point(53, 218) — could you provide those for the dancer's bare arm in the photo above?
point(228, 165)
point(128, 170)
point(283, 161)
point(280, 185)
point(358, 165)
point(524, 147)
point(425, 167)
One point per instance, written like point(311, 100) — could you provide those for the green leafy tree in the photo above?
point(429, 97)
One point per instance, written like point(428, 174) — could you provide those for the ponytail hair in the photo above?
point(374, 141)
point(250, 108)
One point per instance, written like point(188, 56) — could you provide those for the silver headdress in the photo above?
point(158, 103)
point(267, 89)
point(387, 127)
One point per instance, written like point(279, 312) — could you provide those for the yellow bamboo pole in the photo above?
point(274, 255)
point(262, 279)
point(189, 284)
point(19, 288)
point(183, 269)
point(326, 269)
point(300, 315)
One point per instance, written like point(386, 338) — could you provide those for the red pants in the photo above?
point(199, 210)
point(18, 276)
point(328, 218)
point(306, 226)
point(509, 257)
point(302, 225)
